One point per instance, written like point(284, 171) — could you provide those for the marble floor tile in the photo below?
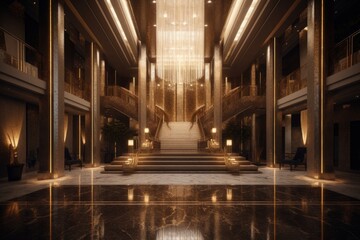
point(87, 204)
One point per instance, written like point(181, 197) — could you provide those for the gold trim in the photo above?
point(92, 103)
point(50, 89)
point(274, 111)
point(322, 90)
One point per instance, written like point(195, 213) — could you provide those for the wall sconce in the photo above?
point(229, 194)
point(130, 194)
point(213, 198)
point(146, 198)
point(146, 130)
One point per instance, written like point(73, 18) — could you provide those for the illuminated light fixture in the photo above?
point(126, 9)
point(246, 19)
point(306, 28)
point(234, 10)
point(209, 1)
point(130, 194)
point(146, 130)
point(146, 198)
point(213, 198)
point(228, 142)
point(130, 142)
point(153, 1)
point(213, 130)
point(304, 126)
point(129, 22)
point(180, 40)
point(229, 194)
point(205, 25)
point(154, 25)
point(116, 19)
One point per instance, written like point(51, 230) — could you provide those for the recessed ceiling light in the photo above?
point(154, 1)
point(205, 25)
point(209, 1)
point(154, 25)
point(165, 15)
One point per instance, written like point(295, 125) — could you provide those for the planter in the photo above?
point(15, 172)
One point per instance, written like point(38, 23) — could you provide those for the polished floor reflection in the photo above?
point(181, 212)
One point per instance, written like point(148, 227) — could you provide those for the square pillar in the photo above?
point(218, 93)
point(92, 118)
point(51, 155)
point(142, 94)
point(319, 162)
point(273, 116)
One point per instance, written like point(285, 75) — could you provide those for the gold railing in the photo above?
point(346, 53)
point(18, 54)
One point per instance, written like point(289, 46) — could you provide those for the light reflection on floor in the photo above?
point(181, 212)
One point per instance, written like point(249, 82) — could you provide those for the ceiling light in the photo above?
point(165, 15)
point(209, 1)
point(154, 25)
point(205, 25)
point(154, 1)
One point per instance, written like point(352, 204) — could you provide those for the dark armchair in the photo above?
point(298, 159)
point(69, 160)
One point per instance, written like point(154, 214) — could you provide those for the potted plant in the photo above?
point(14, 168)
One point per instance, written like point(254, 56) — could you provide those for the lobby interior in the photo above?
point(180, 119)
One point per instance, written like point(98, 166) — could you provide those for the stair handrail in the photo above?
point(194, 115)
point(164, 114)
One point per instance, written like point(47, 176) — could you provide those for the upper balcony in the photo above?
point(16, 53)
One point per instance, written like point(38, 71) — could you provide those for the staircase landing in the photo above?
point(186, 161)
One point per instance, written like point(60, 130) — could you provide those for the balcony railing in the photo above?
point(292, 82)
point(18, 54)
point(346, 53)
point(76, 85)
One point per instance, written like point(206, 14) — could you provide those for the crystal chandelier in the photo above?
point(180, 40)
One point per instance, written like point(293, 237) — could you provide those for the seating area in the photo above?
point(71, 160)
point(299, 158)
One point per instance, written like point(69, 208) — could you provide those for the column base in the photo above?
point(47, 175)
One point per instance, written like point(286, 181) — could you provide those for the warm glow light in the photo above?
point(66, 124)
point(130, 194)
point(214, 198)
point(228, 142)
point(146, 198)
point(304, 125)
point(130, 142)
point(180, 40)
point(229, 194)
point(246, 19)
point(146, 130)
point(213, 130)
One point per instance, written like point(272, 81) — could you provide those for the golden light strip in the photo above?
point(50, 209)
point(274, 203)
point(322, 211)
point(50, 89)
point(79, 140)
point(92, 104)
point(322, 90)
point(274, 112)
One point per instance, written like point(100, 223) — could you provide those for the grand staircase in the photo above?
point(179, 136)
point(179, 153)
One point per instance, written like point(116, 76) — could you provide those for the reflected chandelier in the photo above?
point(180, 40)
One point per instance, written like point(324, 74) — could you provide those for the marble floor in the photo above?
point(274, 204)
